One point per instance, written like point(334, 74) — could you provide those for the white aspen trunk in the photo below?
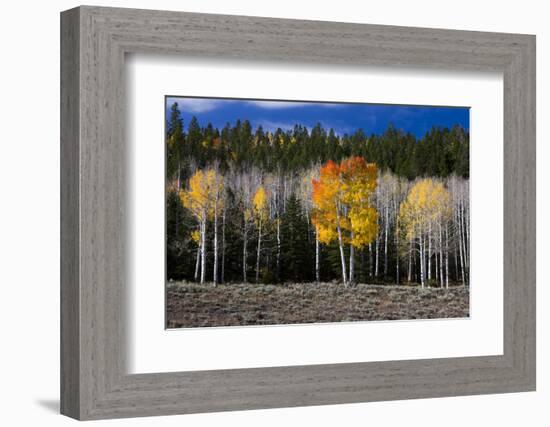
point(396, 242)
point(341, 245)
point(245, 253)
point(203, 247)
point(460, 252)
point(278, 247)
point(421, 262)
point(258, 251)
point(317, 263)
point(222, 275)
point(463, 216)
point(415, 267)
point(461, 232)
point(386, 229)
point(424, 260)
point(409, 271)
point(467, 243)
point(440, 255)
point(464, 238)
point(351, 262)
point(446, 256)
point(376, 247)
point(461, 258)
point(456, 261)
point(215, 274)
point(436, 259)
point(429, 251)
point(370, 260)
point(197, 263)
point(467, 221)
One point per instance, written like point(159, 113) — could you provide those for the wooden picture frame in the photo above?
point(94, 382)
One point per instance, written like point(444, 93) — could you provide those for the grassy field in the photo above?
point(192, 305)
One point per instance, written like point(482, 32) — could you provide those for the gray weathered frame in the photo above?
point(94, 42)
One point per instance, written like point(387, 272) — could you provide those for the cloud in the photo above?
point(195, 105)
point(202, 105)
point(272, 126)
point(279, 105)
point(269, 125)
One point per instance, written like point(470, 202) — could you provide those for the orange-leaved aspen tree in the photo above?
point(343, 209)
point(426, 206)
point(329, 209)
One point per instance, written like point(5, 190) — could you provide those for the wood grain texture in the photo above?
point(70, 292)
point(94, 231)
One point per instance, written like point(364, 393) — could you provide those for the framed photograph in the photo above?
point(261, 213)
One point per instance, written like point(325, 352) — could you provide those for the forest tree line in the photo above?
point(312, 206)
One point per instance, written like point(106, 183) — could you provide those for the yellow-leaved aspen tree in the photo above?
point(427, 203)
point(203, 198)
point(360, 182)
point(196, 199)
point(260, 206)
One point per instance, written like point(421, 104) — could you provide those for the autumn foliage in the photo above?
point(342, 205)
point(428, 202)
point(204, 199)
point(424, 215)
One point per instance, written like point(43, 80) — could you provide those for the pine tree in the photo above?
point(297, 254)
point(175, 144)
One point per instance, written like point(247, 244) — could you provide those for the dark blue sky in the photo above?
point(343, 118)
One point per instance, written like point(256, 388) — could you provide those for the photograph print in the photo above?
point(292, 212)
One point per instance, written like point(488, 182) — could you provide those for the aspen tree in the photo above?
point(427, 202)
point(342, 207)
point(203, 200)
point(260, 204)
point(217, 195)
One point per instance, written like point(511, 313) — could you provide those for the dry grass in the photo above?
point(192, 305)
